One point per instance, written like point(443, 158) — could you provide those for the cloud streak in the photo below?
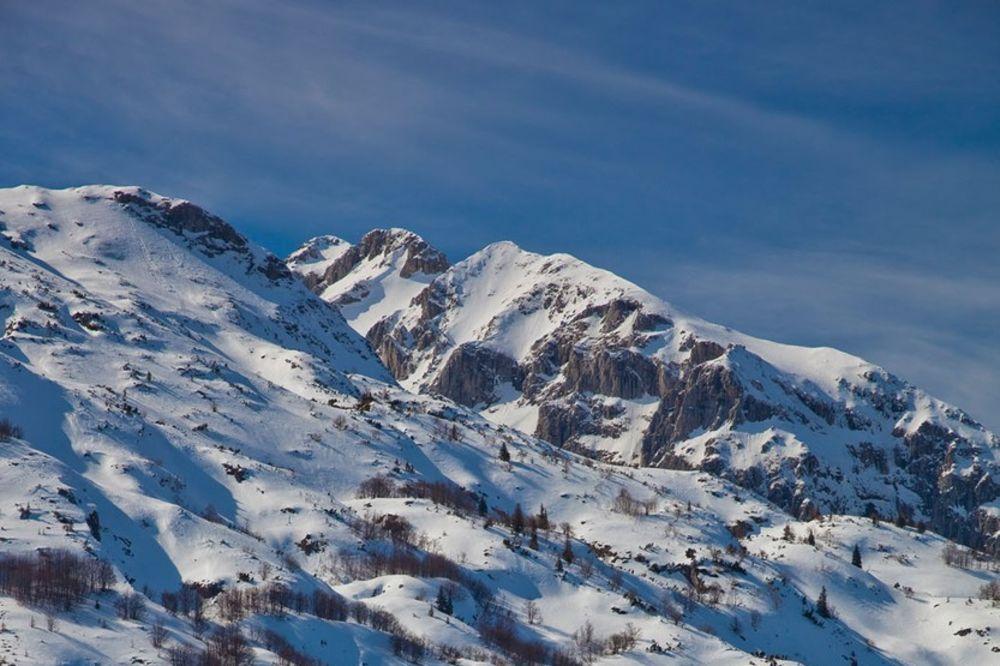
point(815, 175)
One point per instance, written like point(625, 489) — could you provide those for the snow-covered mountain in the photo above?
point(583, 359)
point(201, 462)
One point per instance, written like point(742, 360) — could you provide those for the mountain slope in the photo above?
point(590, 362)
point(174, 404)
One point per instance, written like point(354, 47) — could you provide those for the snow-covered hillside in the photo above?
point(588, 361)
point(175, 403)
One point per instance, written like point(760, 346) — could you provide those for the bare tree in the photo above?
point(625, 503)
point(624, 640)
point(158, 634)
point(531, 612)
point(587, 645)
point(130, 606)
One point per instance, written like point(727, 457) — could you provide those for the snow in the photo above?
point(201, 369)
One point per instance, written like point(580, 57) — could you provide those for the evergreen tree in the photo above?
point(856, 557)
point(567, 553)
point(533, 544)
point(788, 534)
point(444, 602)
point(822, 607)
point(811, 538)
point(482, 506)
point(517, 520)
point(543, 518)
point(504, 453)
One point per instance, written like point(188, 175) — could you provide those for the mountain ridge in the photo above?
point(584, 359)
point(250, 483)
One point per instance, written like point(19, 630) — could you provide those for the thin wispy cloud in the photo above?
point(696, 150)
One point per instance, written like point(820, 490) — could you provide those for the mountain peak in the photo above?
point(420, 256)
point(587, 360)
point(503, 247)
point(373, 279)
point(315, 255)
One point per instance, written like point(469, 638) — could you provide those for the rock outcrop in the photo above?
point(473, 373)
point(418, 256)
point(199, 229)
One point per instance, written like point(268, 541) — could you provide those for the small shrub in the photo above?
point(158, 635)
point(94, 524)
point(991, 592)
point(228, 646)
point(376, 487)
point(365, 402)
point(8, 430)
point(238, 472)
point(89, 320)
point(624, 640)
point(630, 506)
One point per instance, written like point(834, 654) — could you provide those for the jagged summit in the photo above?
point(316, 253)
point(372, 280)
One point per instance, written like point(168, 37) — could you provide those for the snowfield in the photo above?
point(178, 404)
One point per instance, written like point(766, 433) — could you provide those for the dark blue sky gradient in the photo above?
point(817, 173)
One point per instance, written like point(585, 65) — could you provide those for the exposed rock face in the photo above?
point(952, 499)
point(609, 370)
point(472, 374)
point(700, 351)
point(621, 373)
point(389, 343)
point(311, 260)
point(565, 422)
point(372, 282)
point(562, 423)
point(181, 217)
point(419, 256)
point(708, 397)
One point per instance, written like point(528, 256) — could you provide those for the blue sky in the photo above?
point(816, 173)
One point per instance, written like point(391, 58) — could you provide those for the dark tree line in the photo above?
point(444, 493)
point(276, 600)
point(226, 646)
point(500, 631)
point(57, 579)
